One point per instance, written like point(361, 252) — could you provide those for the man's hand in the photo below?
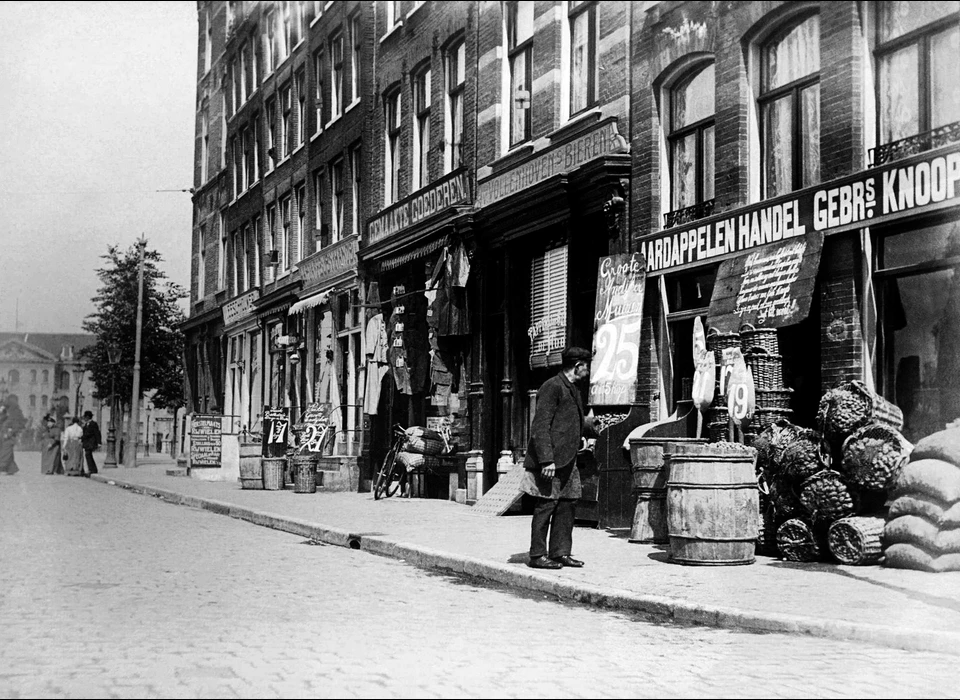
point(548, 470)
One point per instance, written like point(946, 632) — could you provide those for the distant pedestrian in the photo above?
point(50, 462)
point(11, 423)
point(551, 474)
point(91, 441)
point(72, 447)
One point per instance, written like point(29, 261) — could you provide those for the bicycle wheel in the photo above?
point(385, 474)
point(395, 478)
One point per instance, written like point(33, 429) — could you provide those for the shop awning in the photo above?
point(311, 301)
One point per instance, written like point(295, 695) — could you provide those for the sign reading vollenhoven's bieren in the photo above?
point(205, 432)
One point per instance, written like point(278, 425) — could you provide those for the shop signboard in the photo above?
point(736, 382)
point(616, 338)
point(601, 140)
point(239, 308)
point(452, 190)
point(771, 287)
point(329, 263)
point(205, 433)
point(276, 427)
point(914, 185)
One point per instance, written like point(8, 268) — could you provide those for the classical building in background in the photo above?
point(401, 209)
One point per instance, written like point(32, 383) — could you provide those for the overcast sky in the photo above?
point(97, 104)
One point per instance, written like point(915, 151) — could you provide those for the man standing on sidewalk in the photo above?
point(91, 440)
point(551, 474)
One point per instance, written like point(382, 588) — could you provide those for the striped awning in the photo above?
point(417, 251)
point(311, 301)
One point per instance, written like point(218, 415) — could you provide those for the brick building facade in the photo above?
point(508, 146)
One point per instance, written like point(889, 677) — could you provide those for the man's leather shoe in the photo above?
point(544, 563)
point(567, 560)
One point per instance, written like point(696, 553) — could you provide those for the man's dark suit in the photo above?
point(90, 441)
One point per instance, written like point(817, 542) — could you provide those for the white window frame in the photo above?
point(318, 91)
point(453, 96)
point(301, 199)
point(271, 241)
point(576, 10)
point(336, 200)
point(356, 173)
point(516, 46)
point(257, 242)
point(336, 75)
point(300, 79)
point(222, 255)
point(318, 209)
point(356, 39)
point(204, 146)
point(202, 263)
point(391, 170)
point(208, 43)
point(421, 127)
point(286, 206)
point(286, 110)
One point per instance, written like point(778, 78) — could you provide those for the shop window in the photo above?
point(548, 307)
point(790, 108)
point(687, 297)
point(918, 288)
point(350, 360)
point(520, 50)
point(453, 118)
point(691, 140)
point(391, 179)
point(421, 133)
point(583, 55)
point(917, 48)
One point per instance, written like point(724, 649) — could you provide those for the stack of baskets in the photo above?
point(717, 415)
point(761, 351)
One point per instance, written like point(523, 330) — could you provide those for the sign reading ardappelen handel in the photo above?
point(556, 160)
point(451, 190)
point(874, 196)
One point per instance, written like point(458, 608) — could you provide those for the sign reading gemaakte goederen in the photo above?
point(205, 432)
point(908, 186)
point(771, 287)
point(617, 321)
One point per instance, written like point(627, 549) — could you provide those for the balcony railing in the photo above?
point(928, 140)
point(688, 214)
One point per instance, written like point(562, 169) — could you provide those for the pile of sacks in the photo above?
point(422, 447)
point(922, 530)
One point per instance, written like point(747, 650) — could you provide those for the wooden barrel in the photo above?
point(650, 488)
point(251, 472)
point(305, 473)
point(273, 468)
point(713, 503)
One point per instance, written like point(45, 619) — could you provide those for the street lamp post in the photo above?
point(113, 355)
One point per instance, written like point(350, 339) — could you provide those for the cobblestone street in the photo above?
point(104, 593)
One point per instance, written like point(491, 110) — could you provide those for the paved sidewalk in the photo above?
point(890, 607)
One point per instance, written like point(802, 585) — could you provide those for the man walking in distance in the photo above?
point(91, 441)
point(551, 474)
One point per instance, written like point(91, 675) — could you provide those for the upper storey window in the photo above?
point(917, 51)
point(790, 108)
point(520, 50)
point(692, 138)
point(583, 56)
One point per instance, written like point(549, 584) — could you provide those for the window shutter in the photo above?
point(548, 307)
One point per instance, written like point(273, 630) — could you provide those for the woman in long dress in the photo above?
point(72, 448)
point(50, 462)
point(11, 423)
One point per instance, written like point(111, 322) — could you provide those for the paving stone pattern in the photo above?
point(105, 593)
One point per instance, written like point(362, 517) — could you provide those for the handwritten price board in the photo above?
point(771, 287)
point(276, 428)
point(205, 432)
point(314, 429)
point(617, 322)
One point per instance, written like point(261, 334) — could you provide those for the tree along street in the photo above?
point(104, 593)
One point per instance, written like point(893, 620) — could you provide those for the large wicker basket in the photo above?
point(763, 418)
point(796, 541)
point(767, 370)
point(856, 539)
point(852, 405)
point(273, 468)
point(774, 398)
point(752, 338)
point(874, 455)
